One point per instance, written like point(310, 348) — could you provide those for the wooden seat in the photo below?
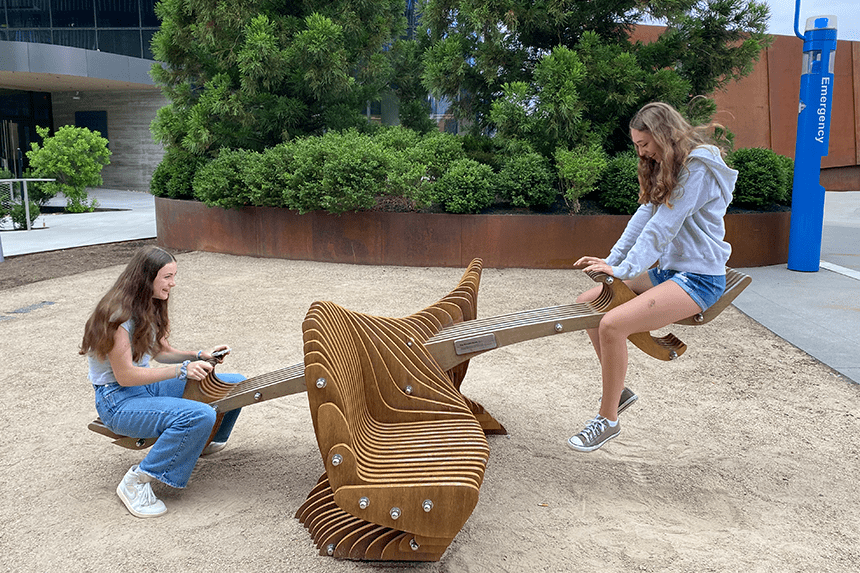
point(208, 390)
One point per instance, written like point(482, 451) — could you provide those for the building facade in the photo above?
point(84, 63)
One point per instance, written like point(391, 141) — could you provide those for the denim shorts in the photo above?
point(705, 290)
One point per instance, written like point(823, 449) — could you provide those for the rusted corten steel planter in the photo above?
point(435, 240)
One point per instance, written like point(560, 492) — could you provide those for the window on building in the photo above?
point(117, 13)
point(28, 13)
point(73, 14)
point(85, 39)
point(125, 42)
point(148, 19)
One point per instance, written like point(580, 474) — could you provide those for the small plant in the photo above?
point(75, 157)
point(618, 187)
point(465, 187)
point(763, 179)
point(19, 214)
point(578, 171)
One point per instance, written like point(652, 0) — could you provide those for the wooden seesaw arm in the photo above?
point(466, 340)
point(457, 343)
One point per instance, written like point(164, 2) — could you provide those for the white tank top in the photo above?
point(101, 373)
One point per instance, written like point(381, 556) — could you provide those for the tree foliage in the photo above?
point(483, 52)
point(252, 73)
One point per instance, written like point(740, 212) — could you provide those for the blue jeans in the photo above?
point(705, 290)
point(159, 411)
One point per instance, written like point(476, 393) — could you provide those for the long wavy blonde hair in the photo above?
point(131, 298)
point(677, 138)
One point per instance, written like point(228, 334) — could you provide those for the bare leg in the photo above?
point(638, 285)
point(659, 306)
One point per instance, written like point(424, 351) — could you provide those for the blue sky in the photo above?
point(846, 12)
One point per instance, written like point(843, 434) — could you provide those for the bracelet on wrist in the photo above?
point(199, 355)
point(183, 370)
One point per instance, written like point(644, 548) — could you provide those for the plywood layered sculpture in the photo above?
point(404, 450)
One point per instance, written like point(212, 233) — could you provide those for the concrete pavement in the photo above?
point(132, 217)
point(818, 312)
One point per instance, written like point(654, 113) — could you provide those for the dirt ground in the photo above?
point(741, 456)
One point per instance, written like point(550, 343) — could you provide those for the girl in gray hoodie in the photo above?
point(684, 190)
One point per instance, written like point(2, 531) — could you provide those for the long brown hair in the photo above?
point(677, 138)
point(131, 298)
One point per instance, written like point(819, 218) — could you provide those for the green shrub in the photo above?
point(337, 172)
point(221, 182)
point(618, 186)
point(438, 151)
point(407, 177)
point(5, 193)
point(762, 178)
point(407, 170)
point(787, 164)
point(174, 176)
point(465, 187)
point(578, 171)
point(397, 138)
point(527, 181)
point(486, 150)
point(270, 177)
point(19, 215)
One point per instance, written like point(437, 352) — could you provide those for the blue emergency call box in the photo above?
point(813, 137)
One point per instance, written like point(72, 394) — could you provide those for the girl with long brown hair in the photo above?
point(128, 328)
point(685, 188)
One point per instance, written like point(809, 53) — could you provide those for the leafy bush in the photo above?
point(397, 138)
point(174, 176)
point(438, 151)
point(762, 178)
point(337, 172)
point(221, 182)
point(465, 187)
point(487, 150)
point(19, 215)
point(578, 171)
point(527, 181)
point(75, 157)
point(618, 186)
point(788, 168)
point(407, 170)
point(270, 177)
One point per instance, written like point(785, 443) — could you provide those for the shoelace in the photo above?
point(145, 494)
point(594, 428)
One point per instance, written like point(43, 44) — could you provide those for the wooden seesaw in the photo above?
point(404, 450)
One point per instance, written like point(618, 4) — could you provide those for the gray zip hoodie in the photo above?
point(687, 236)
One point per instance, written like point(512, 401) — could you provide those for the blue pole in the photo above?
point(813, 137)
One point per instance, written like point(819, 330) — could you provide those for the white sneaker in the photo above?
point(213, 448)
point(138, 497)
